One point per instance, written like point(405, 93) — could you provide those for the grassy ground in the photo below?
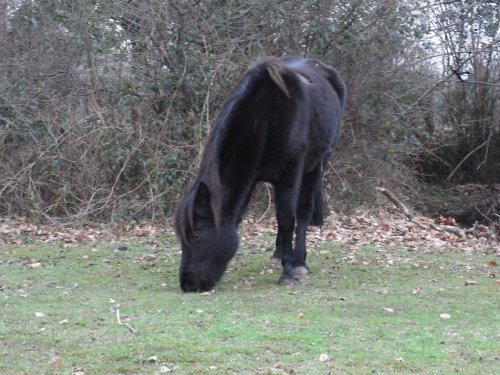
point(361, 311)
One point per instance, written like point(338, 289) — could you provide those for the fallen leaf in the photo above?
point(299, 316)
point(445, 316)
point(389, 310)
point(39, 314)
point(56, 361)
point(164, 370)
point(416, 290)
point(482, 228)
point(323, 357)
point(471, 282)
point(64, 321)
point(493, 263)
point(149, 257)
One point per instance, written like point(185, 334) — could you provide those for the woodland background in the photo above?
point(105, 105)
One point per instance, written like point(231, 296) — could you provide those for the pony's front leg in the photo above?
point(285, 214)
point(278, 252)
point(300, 267)
point(310, 200)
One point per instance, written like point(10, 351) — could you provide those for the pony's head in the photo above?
point(205, 258)
point(207, 246)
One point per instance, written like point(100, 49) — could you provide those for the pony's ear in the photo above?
point(202, 202)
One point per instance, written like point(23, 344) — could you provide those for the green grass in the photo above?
point(370, 311)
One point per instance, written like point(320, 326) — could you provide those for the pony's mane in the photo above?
point(209, 174)
point(209, 177)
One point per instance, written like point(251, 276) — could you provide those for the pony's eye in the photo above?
point(195, 236)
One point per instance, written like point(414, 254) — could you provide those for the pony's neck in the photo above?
point(235, 199)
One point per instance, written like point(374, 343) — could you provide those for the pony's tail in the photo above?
point(317, 216)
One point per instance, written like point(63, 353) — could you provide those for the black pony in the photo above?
point(278, 125)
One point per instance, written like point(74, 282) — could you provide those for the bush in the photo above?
point(105, 106)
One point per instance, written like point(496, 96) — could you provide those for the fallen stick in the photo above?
point(448, 228)
point(124, 324)
point(401, 206)
point(396, 201)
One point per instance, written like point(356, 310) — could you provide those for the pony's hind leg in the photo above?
point(310, 194)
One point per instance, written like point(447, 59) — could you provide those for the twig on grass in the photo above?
point(123, 324)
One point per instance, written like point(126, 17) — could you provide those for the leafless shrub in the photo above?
point(105, 106)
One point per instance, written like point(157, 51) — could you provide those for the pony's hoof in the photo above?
point(275, 261)
point(287, 281)
point(301, 270)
